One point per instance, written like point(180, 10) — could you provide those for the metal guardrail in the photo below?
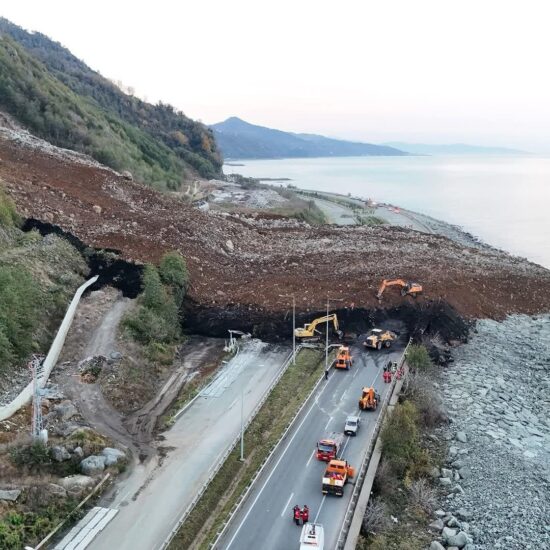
point(221, 460)
point(366, 459)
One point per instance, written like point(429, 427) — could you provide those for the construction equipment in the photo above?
point(310, 329)
point(344, 360)
point(407, 287)
point(336, 476)
point(312, 537)
point(328, 447)
point(369, 399)
point(378, 338)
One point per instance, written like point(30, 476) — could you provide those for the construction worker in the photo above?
point(297, 514)
point(326, 374)
point(305, 514)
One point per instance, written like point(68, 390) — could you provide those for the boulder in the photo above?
point(445, 481)
point(77, 481)
point(93, 464)
point(448, 533)
point(65, 410)
point(10, 494)
point(229, 245)
point(127, 175)
point(460, 540)
point(79, 452)
point(464, 514)
point(461, 436)
point(436, 525)
point(445, 472)
point(435, 473)
point(59, 453)
point(56, 490)
point(97, 209)
point(452, 522)
point(112, 456)
point(439, 513)
point(436, 546)
point(115, 355)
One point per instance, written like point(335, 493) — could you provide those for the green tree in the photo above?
point(8, 213)
point(418, 358)
point(154, 295)
point(173, 270)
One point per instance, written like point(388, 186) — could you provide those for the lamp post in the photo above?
point(242, 424)
point(293, 324)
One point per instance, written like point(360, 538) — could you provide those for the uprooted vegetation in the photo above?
point(403, 488)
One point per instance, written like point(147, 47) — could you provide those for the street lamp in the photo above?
point(293, 324)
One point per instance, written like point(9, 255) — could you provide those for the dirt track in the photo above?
point(234, 262)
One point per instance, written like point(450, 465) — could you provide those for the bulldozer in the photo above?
point(369, 399)
point(378, 338)
point(408, 288)
point(310, 329)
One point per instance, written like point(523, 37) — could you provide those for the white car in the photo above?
point(312, 537)
point(352, 425)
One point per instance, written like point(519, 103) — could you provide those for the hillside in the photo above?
point(238, 139)
point(57, 97)
point(240, 266)
point(452, 149)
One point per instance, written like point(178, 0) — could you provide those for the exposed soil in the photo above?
point(232, 262)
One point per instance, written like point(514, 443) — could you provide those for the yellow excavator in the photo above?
point(407, 287)
point(310, 329)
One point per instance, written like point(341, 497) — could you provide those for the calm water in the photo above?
point(503, 200)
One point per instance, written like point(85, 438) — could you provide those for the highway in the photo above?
point(294, 475)
point(151, 500)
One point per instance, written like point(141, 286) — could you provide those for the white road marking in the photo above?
point(273, 470)
point(346, 444)
point(285, 508)
point(356, 373)
point(234, 403)
point(329, 421)
point(319, 511)
point(312, 455)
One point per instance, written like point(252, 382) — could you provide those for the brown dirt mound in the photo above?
point(237, 265)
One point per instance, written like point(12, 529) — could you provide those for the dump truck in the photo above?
point(378, 338)
point(407, 287)
point(336, 476)
point(312, 537)
point(344, 360)
point(369, 399)
point(328, 447)
point(310, 330)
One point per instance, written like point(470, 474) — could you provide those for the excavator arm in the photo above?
point(310, 329)
point(407, 287)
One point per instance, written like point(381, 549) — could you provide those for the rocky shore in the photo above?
point(497, 475)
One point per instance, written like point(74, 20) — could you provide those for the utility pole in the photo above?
point(37, 431)
point(326, 344)
point(242, 424)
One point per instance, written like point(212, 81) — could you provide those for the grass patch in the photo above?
point(260, 438)
point(369, 220)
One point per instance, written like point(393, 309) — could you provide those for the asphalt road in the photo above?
point(265, 521)
point(153, 498)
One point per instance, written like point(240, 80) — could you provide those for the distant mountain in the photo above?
point(59, 98)
point(451, 149)
point(238, 139)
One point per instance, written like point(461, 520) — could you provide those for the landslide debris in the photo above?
point(107, 211)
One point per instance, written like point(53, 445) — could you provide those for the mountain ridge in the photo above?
point(239, 139)
point(453, 149)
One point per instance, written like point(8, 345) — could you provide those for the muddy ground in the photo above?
point(234, 262)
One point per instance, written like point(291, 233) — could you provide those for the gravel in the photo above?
point(498, 396)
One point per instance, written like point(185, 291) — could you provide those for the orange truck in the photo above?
point(328, 447)
point(336, 475)
point(369, 399)
point(344, 360)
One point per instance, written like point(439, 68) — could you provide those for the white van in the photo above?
point(312, 537)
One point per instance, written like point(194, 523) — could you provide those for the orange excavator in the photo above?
point(407, 287)
point(369, 399)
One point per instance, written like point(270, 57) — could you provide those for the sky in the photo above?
point(429, 71)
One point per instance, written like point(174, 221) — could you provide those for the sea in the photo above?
point(503, 200)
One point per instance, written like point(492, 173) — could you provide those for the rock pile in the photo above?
point(498, 475)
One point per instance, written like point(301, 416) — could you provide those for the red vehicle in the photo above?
point(328, 448)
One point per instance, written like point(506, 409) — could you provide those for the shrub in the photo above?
point(418, 358)
point(423, 495)
point(400, 437)
point(173, 270)
point(8, 213)
point(34, 454)
point(375, 518)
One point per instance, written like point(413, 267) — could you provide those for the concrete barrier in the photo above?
point(53, 355)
